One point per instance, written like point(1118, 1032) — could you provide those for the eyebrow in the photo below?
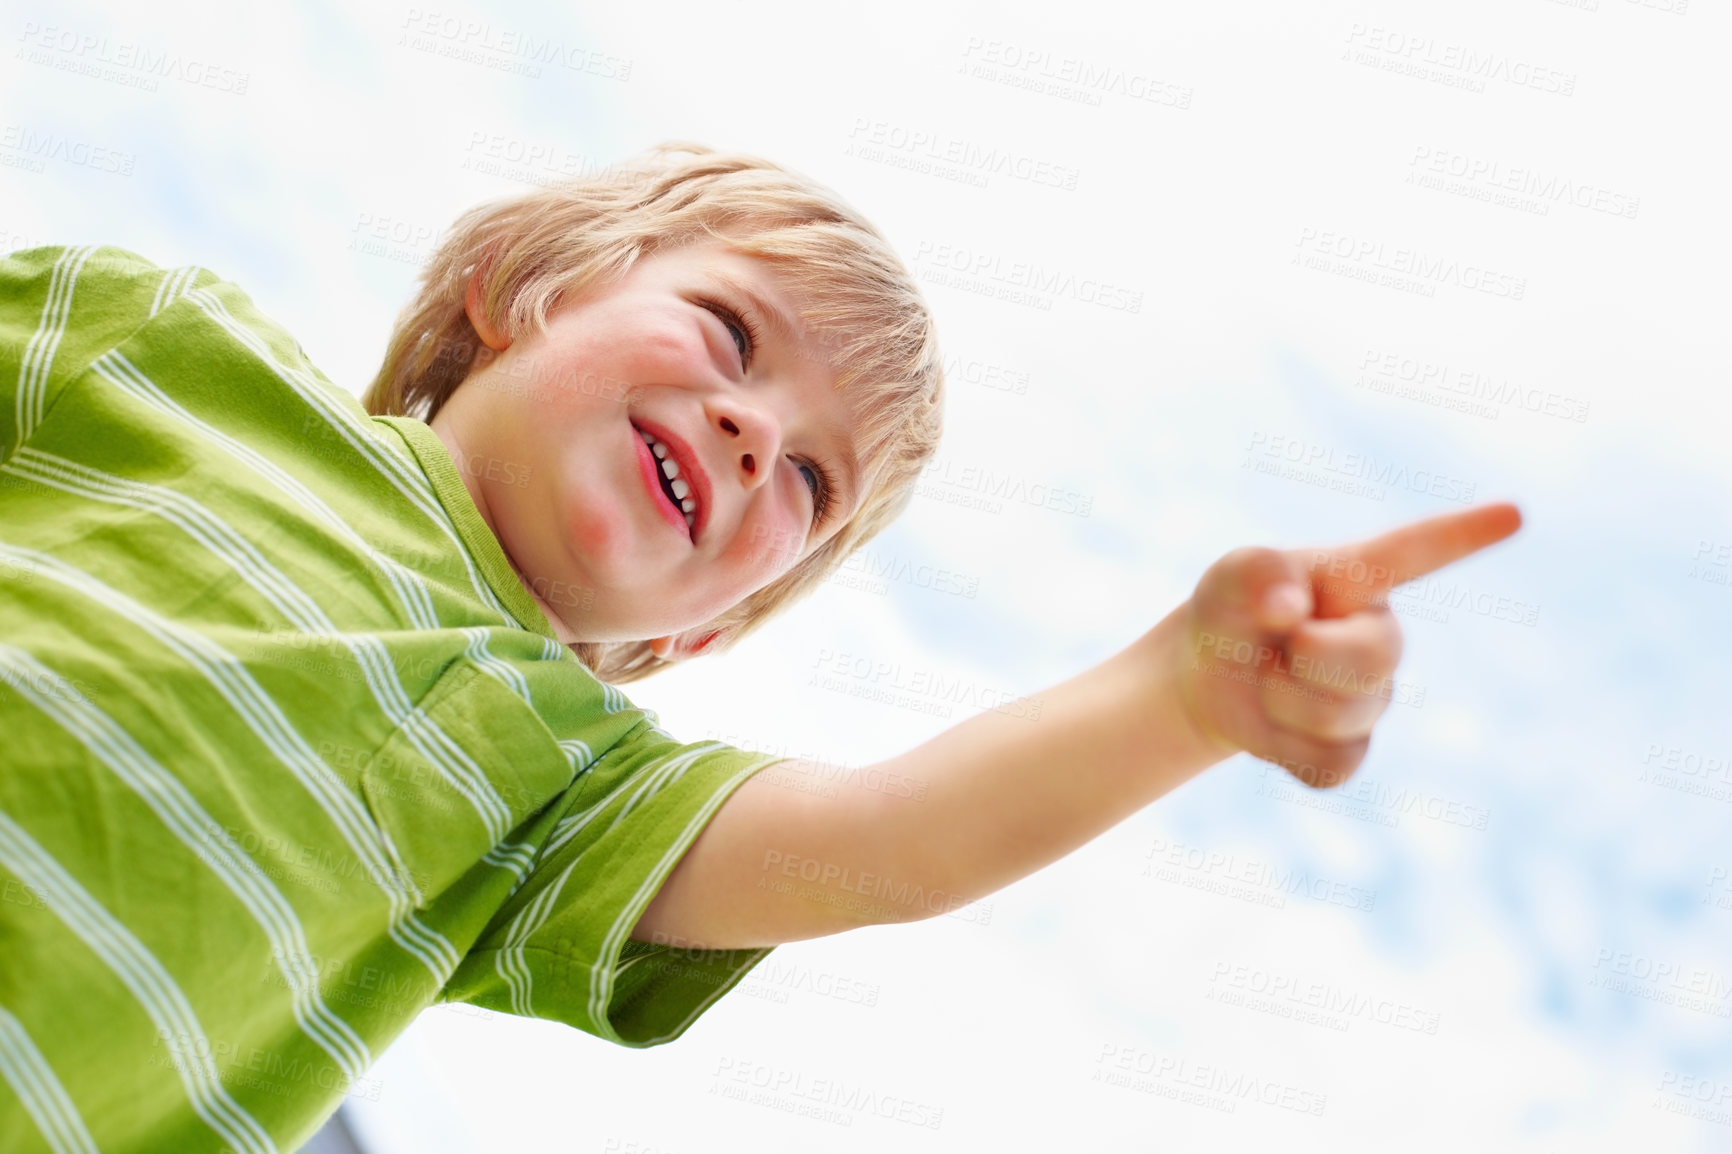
point(777, 319)
point(782, 326)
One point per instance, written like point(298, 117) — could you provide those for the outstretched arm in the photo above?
point(1288, 655)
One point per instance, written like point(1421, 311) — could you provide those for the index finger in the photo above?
point(1371, 568)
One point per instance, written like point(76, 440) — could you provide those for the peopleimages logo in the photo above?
point(1211, 1086)
point(921, 689)
point(1667, 981)
point(1066, 77)
point(1470, 390)
point(973, 270)
point(1233, 876)
point(826, 1099)
point(1494, 175)
point(880, 140)
point(1372, 256)
point(1268, 451)
point(1426, 57)
point(124, 62)
point(977, 486)
point(506, 49)
point(873, 572)
point(1335, 1006)
point(33, 148)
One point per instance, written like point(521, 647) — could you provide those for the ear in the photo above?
point(683, 646)
point(484, 328)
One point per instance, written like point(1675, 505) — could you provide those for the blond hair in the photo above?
point(532, 252)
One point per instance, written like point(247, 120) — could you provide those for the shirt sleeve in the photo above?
point(60, 309)
point(560, 948)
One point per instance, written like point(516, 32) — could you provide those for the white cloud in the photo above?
point(1153, 414)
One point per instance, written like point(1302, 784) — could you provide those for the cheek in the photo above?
point(644, 346)
point(772, 546)
point(593, 532)
point(572, 387)
point(576, 365)
point(586, 518)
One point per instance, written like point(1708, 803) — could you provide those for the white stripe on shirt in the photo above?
point(46, 1100)
point(139, 970)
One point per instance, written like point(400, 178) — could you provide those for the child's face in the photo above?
point(548, 438)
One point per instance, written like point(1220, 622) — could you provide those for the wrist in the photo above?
point(1166, 655)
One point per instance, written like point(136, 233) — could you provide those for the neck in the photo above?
point(448, 437)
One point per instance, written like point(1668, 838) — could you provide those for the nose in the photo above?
point(751, 437)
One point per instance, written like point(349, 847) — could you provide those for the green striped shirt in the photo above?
point(287, 752)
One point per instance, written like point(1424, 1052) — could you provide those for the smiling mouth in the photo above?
point(677, 508)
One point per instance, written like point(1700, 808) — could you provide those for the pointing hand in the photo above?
point(1290, 653)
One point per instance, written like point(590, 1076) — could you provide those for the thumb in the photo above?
point(1265, 589)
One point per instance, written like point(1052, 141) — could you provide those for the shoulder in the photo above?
point(78, 301)
point(87, 284)
point(180, 331)
point(88, 268)
point(70, 299)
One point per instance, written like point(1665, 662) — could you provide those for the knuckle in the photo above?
point(1255, 562)
point(1231, 569)
point(1331, 722)
point(1249, 555)
point(1335, 726)
point(1318, 761)
point(1340, 763)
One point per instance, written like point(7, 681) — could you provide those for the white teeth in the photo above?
point(671, 470)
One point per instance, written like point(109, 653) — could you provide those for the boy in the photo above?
point(309, 716)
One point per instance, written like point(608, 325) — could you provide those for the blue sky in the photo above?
point(1536, 898)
